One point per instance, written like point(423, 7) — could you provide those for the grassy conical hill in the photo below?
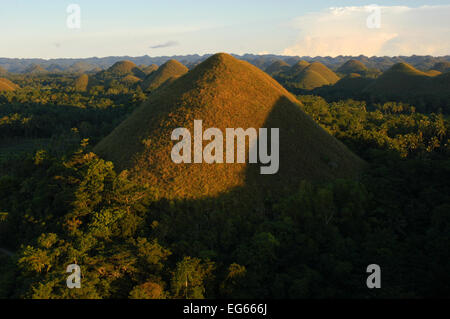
point(7, 85)
point(81, 83)
point(399, 80)
point(325, 72)
point(314, 76)
point(123, 68)
point(353, 66)
point(309, 80)
point(224, 92)
point(165, 74)
point(277, 67)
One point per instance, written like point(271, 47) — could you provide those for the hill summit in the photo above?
point(224, 93)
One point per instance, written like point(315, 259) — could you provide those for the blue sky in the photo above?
point(136, 27)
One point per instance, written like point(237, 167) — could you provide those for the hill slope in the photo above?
point(81, 83)
point(7, 85)
point(168, 72)
point(225, 93)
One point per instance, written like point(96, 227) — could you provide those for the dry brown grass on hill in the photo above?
point(81, 83)
point(165, 74)
point(225, 93)
point(7, 85)
point(325, 72)
point(130, 79)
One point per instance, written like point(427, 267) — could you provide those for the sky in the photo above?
point(46, 29)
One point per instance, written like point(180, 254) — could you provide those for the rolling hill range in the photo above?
point(423, 63)
point(7, 85)
point(428, 91)
point(224, 92)
point(165, 74)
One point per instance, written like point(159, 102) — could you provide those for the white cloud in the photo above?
point(344, 31)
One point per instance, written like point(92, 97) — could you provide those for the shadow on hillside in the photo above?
point(201, 224)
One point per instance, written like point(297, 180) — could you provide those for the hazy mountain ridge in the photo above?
point(262, 61)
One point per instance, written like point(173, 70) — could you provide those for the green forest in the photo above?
point(61, 204)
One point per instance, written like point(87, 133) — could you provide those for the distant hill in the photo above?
point(149, 69)
point(398, 80)
point(124, 68)
point(297, 68)
point(54, 68)
point(225, 93)
point(442, 67)
point(277, 67)
point(307, 76)
point(166, 73)
point(3, 71)
point(81, 67)
point(7, 85)
point(35, 69)
point(423, 63)
point(353, 66)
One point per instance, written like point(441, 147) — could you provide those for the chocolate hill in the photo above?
point(123, 68)
point(401, 78)
point(165, 74)
point(224, 92)
point(353, 66)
